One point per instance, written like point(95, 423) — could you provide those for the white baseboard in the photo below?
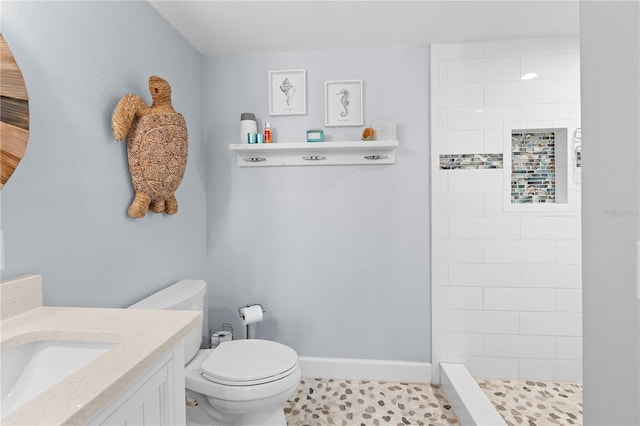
point(365, 369)
point(467, 399)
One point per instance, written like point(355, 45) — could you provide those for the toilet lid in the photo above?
point(248, 361)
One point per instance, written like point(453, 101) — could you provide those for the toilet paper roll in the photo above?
point(219, 337)
point(251, 314)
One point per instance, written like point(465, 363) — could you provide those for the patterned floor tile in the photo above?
point(350, 402)
point(362, 403)
point(535, 403)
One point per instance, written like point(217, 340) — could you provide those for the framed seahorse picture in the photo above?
point(343, 103)
point(288, 92)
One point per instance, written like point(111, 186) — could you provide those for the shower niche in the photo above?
point(537, 165)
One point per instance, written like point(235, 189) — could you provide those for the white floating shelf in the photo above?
point(315, 153)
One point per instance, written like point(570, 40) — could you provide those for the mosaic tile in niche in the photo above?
point(533, 166)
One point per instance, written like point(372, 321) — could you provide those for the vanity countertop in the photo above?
point(141, 338)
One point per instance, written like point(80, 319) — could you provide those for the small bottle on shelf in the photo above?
point(267, 133)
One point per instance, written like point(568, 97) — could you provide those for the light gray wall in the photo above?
point(64, 211)
point(610, 64)
point(338, 255)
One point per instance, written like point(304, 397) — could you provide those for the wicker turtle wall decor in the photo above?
point(156, 148)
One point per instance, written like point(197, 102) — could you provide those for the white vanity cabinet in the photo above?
point(156, 398)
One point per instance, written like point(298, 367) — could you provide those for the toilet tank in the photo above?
point(185, 295)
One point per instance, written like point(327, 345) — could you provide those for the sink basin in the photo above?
point(32, 368)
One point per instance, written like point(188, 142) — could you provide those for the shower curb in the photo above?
point(469, 402)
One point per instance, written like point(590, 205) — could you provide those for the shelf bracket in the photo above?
point(375, 157)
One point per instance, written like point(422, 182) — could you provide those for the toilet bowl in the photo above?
point(239, 383)
point(229, 394)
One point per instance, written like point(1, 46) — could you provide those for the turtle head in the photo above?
point(160, 91)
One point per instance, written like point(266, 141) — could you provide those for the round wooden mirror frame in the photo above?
point(14, 113)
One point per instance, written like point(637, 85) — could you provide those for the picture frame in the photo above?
point(343, 103)
point(288, 92)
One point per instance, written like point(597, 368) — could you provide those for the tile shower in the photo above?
point(506, 251)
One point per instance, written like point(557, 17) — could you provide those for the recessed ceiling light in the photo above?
point(529, 76)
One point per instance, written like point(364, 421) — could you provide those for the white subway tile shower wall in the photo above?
point(511, 294)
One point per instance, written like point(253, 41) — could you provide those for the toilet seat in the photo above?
point(249, 362)
point(196, 382)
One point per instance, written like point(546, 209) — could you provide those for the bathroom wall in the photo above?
point(508, 275)
point(64, 211)
point(338, 255)
point(610, 63)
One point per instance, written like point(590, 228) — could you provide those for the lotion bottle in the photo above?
point(267, 133)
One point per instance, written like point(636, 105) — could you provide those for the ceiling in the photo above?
point(232, 27)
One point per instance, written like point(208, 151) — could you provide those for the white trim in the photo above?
point(365, 369)
point(467, 399)
point(436, 304)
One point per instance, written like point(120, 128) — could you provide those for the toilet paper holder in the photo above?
point(241, 312)
point(249, 328)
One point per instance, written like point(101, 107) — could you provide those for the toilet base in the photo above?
point(205, 415)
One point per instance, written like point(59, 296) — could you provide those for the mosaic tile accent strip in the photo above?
point(320, 402)
point(470, 161)
point(533, 166)
point(535, 403)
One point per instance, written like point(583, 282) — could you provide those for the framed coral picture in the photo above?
point(343, 103)
point(288, 92)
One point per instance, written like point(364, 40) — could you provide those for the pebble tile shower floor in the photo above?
point(535, 403)
point(350, 402)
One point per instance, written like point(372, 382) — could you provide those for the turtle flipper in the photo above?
point(128, 108)
point(171, 205)
point(157, 206)
point(140, 205)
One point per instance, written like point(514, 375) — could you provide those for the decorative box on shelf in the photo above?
point(315, 153)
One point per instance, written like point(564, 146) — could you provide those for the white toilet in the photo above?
point(241, 382)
